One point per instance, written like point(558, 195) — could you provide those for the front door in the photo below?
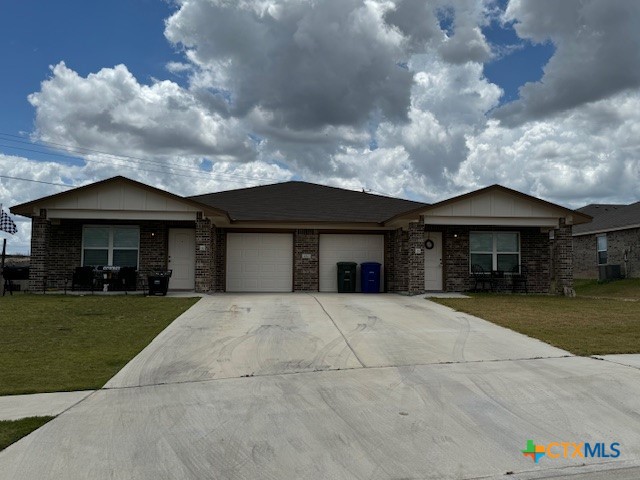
point(182, 258)
point(433, 262)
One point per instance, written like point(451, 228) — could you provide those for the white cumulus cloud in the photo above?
point(387, 95)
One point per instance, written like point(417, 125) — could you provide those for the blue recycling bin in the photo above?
point(370, 277)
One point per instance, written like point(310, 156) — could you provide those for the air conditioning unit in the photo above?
point(609, 272)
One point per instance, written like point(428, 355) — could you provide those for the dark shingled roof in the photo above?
point(302, 201)
point(608, 217)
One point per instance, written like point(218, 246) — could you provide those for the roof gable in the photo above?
point(495, 202)
point(113, 194)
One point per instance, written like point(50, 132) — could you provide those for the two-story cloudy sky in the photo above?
point(411, 98)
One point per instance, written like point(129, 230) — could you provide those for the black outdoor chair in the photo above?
point(83, 277)
point(519, 276)
point(482, 278)
point(142, 281)
point(11, 274)
point(128, 277)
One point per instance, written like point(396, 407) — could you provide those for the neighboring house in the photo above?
point(289, 236)
point(611, 239)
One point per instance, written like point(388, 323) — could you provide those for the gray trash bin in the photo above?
point(347, 277)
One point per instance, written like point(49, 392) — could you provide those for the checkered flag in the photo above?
point(6, 224)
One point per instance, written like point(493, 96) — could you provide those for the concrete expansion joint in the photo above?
point(608, 360)
point(333, 370)
point(341, 333)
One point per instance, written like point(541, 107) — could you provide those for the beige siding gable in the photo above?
point(495, 203)
point(118, 196)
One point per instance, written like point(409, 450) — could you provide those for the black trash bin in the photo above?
point(347, 277)
point(159, 282)
point(370, 277)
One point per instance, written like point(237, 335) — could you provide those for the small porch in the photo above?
point(495, 238)
point(111, 235)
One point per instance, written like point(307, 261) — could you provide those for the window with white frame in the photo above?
point(601, 246)
point(495, 250)
point(110, 245)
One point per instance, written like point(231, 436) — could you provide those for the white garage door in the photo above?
point(259, 262)
point(348, 248)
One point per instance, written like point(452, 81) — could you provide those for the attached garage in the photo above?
point(259, 262)
point(357, 248)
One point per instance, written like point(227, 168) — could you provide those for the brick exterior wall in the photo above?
point(455, 259)
point(218, 271)
point(204, 254)
point(563, 258)
point(389, 264)
point(534, 254)
point(396, 269)
point(306, 270)
point(585, 260)
point(40, 233)
point(57, 248)
point(65, 252)
point(415, 258)
point(154, 244)
point(617, 243)
point(56, 251)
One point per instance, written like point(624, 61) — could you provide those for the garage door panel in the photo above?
point(259, 262)
point(336, 248)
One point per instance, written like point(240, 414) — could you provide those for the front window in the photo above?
point(110, 245)
point(602, 249)
point(495, 250)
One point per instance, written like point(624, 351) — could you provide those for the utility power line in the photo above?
point(38, 181)
point(138, 162)
point(81, 151)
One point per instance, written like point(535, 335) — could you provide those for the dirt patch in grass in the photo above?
point(13, 430)
point(55, 343)
point(583, 326)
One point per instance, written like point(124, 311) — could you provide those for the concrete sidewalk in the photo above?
point(15, 407)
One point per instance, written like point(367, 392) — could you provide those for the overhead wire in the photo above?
point(38, 181)
point(81, 151)
point(89, 151)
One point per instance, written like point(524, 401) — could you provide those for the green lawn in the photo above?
point(581, 325)
point(54, 343)
point(627, 288)
point(13, 430)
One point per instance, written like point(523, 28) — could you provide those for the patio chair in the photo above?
point(128, 277)
point(482, 278)
point(83, 277)
point(142, 281)
point(519, 276)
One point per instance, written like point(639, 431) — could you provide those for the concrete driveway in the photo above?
point(339, 386)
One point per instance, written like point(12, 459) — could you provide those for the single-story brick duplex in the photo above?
point(611, 238)
point(289, 236)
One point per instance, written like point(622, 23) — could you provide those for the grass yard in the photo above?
point(13, 430)
point(583, 326)
point(627, 288)
point(52, 343)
